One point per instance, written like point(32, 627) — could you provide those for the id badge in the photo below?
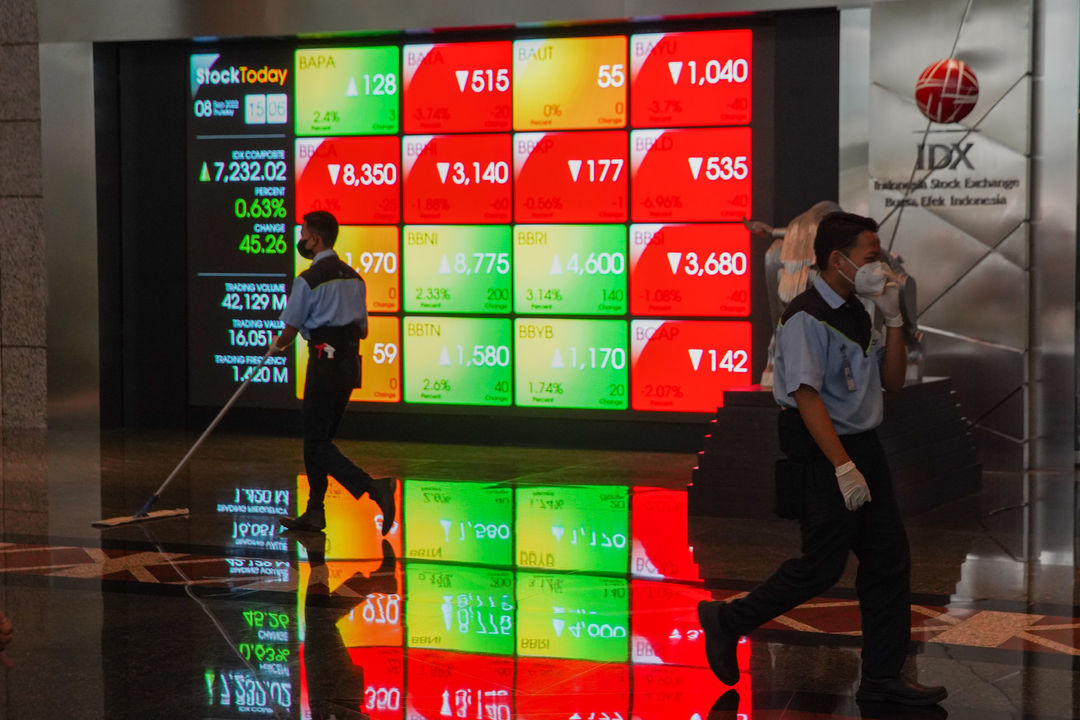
point(849, 377)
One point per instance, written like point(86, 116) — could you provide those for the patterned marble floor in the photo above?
point(515, 583)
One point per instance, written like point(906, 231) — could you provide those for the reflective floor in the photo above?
point(516, 583)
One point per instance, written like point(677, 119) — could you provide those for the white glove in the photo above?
point(888, 302)
point(852, 486)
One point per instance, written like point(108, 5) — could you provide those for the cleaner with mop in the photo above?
point(327, 307)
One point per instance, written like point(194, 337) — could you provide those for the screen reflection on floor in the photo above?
point(490, 602)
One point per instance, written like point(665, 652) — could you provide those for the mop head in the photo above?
point(131, 519)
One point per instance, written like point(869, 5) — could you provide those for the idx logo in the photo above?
point(936, 156)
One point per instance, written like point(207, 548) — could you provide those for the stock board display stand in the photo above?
point(927, 441)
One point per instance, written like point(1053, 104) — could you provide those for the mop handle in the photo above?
point(214, 422)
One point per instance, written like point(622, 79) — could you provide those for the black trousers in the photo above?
point(326, 394)
point(333, 681)
point(875, 532)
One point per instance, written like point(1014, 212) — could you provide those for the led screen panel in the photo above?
point(458, 268)
point(459, 522)
point(448, 685)
point(570, 83)
point(471, 609)
point(687, 364)
point(347, 90)
point(571, 177)
point(581, 617)
point(534, 214)
point(690, 270)
point(565, 688)
point(458, 361)
point(570, 269)
point(678, 79)
point(580, 527)
point(458, 87)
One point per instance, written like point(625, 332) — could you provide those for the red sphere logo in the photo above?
point(947, 91)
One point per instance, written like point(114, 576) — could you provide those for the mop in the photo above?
point(144, 514)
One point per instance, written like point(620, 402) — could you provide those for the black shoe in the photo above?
point(899, 690)
point(726, 706)
point(720, 643)
point(310, 521)
point(314, 543)
point(383, 495)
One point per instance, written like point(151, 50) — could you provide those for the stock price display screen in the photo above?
point(541, 222)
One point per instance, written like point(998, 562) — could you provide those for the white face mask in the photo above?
point(869, 278)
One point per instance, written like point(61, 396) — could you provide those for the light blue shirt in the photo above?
point(811, 350)
point(335, 302)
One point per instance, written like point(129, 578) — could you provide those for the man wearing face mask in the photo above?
point(327, 306)
point(831, 366)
